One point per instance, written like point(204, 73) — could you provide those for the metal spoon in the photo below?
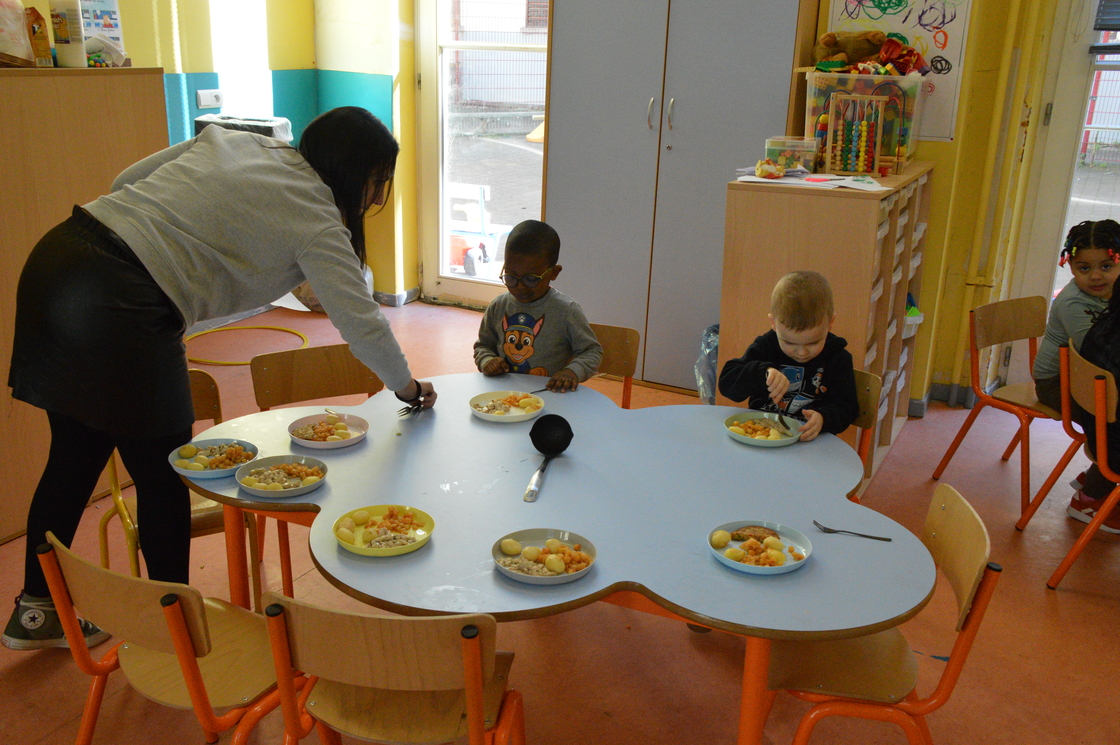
point(823, 529)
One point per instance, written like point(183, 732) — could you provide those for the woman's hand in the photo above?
point(418, 391)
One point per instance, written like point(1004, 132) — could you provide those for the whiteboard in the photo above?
point(937, 29)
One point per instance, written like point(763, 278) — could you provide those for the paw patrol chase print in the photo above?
point(519, 333)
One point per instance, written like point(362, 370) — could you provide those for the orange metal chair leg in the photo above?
point(958, 439)
point(754, 706)
point(1084, 538)
point(285, 559)
point(1047, 485)
point(627, 388)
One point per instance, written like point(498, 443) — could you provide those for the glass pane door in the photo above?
point(492, 66)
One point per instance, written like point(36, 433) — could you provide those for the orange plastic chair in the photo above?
point(1094, 389)
point(391, 678)
point(206, 514)
point(990, 325)
point(180, 649)
point(620, 355)
point(295, 375)
point(874, 677)
point(869, 388)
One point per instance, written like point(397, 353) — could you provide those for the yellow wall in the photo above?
point(291, 34)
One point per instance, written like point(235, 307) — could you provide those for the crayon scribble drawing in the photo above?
point(937, 29)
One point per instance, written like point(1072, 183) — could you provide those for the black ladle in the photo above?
point(551, 434)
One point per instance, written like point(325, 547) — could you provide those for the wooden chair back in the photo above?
point(956, 537)
point(869, 388)
point(129, 607)
point(205, 397)
point(388, 652)
point(1083, 386)
point(620, 355)
point(1009, 320)
point(309, 373)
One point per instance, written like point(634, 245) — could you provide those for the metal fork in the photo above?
point(823, 529)
point(411, 409)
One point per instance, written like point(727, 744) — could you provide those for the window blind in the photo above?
point(1108, 16)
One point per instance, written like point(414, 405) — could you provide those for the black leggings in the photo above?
point(78, 454)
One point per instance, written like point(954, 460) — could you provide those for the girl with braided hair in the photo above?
point(1092, 250)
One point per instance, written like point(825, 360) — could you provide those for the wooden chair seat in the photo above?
point(236, 672)
point(880, 667)
point(381, 715)
point(1022, 394)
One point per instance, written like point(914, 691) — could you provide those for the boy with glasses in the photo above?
point(534, 328)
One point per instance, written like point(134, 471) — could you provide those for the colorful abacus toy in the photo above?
point(853, 134)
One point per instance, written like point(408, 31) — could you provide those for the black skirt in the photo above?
point(96, 338)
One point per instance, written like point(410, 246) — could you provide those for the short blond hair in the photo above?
point(802, 300)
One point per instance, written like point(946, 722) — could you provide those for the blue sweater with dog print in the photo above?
point(538, 338)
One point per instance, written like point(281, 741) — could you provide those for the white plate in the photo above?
point(746, 414)
point(273, 460)
point(208, 473)
point(789, 536)
point(515, 415)
point(357, 426)
point(537, 537)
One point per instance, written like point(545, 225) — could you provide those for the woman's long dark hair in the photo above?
point(349, 147)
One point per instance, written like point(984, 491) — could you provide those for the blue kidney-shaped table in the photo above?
point(645, 486)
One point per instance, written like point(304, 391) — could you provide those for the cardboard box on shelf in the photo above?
point(87, 33)
point(40, 39)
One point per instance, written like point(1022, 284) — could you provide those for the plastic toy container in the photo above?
point(902, 114)
point(792, 151)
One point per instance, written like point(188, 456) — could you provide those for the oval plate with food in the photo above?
point(537, 537)
point(301, 461)
point(206, 472)
point(515, 414)
point(419, 528)
point(319, 425)
point(789, 537)
point(747, 416)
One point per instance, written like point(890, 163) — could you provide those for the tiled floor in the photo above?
point(1039, 674)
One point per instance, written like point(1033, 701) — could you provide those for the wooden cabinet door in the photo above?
point(727, 85)
point(606, 70)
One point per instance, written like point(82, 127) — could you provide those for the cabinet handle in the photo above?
point(649, 114)
point(671, 100)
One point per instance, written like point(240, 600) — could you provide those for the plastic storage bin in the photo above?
point(789, 152)
point(902, 115)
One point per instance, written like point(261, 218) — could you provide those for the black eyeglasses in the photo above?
point(529, 280)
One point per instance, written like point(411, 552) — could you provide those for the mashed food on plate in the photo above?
point(515, 403)
point(552, 560)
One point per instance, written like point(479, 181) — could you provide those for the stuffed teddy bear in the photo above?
point(849, 46)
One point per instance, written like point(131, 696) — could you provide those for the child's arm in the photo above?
point(587, 352)
point(839, 406)
point(486, 356)
point(747, 377)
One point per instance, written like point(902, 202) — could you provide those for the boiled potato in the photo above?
point(195, 467)
point(334, 438)
point(249, 481)
point(188, 451)
point(345, 535)
point(778, 557)
point(735, 554)
point(308, 480)
point(273, 487)
point(332, 419)
point(772, 542)
point(182, 463)
point(202, 460)
point(525, 403)
point(553, 545)
point(361, 517)
point(774, 435)
point(531, 552)
point(554, 564)
point(720, 538)
point(343, 434)
point(737, 430)
point(347, 523)
point(340, 425)
point(510, 547)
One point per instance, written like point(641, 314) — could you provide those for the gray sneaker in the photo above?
point(35, 624)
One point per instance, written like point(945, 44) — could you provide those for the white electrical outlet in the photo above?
point(209, 99)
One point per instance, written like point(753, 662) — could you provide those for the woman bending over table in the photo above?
point(219, 224)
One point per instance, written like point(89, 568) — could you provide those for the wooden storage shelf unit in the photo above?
point(868, 244)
